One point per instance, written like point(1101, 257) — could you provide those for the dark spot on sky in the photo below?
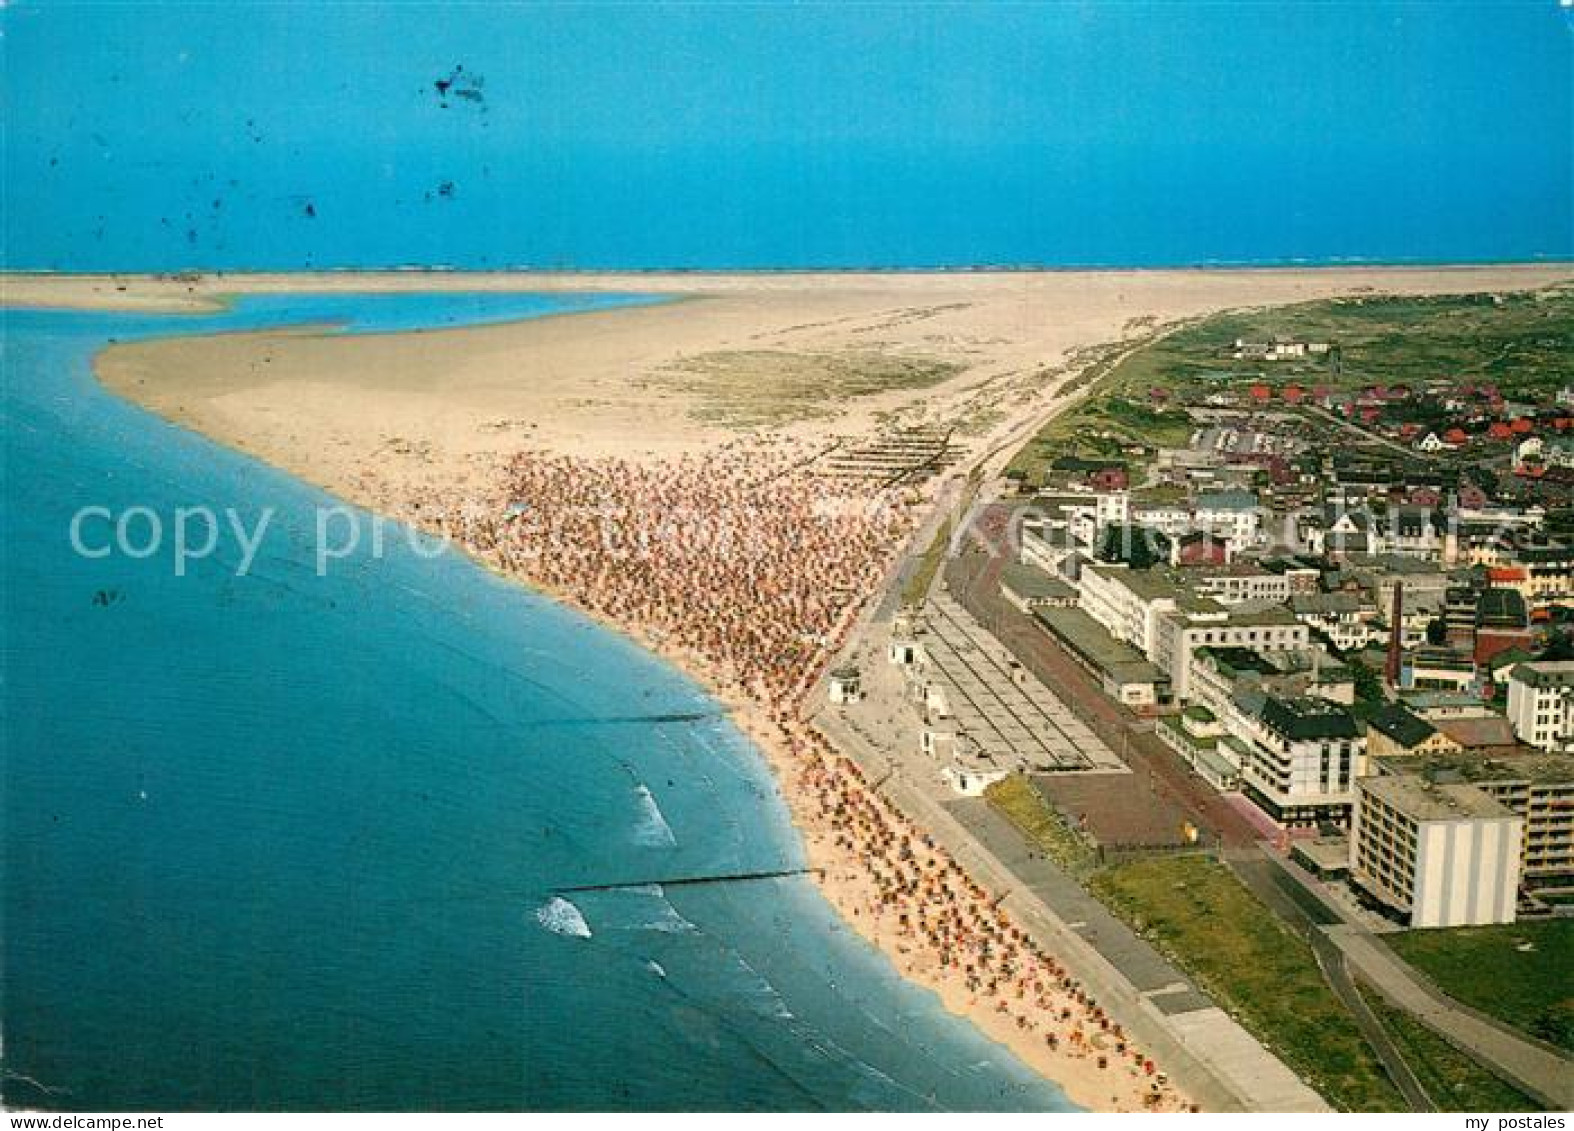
point(460, 84)
point(310, 210)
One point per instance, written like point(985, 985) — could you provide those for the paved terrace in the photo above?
point(973, 580)
point(1015, 719)
point(1208, 1053)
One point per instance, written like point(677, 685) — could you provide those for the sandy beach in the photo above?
point(651, 382)
point(675, 457)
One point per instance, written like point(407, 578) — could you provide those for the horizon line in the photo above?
point(1548, 259)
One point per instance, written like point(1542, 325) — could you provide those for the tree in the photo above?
point(1368, 685)
point(1560, 647)
point(1135, 546)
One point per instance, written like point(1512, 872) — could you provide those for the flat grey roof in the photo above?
point(1421, 800)
point(1221, 765)
point(1547, 673)
point(1029, 581)
point(1089, 639)
point(1144, 583)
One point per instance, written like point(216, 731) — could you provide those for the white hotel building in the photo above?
point(1302, 759)
point(1437, 855)
point(1127, 602)
point(1168, 624)
point(1541, 703)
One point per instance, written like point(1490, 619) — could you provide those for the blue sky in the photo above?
point(758, 135)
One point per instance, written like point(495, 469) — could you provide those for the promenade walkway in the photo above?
point(1537, 1069)
point(1299, 908)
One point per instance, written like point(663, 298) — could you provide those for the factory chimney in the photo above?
point(1395, 635)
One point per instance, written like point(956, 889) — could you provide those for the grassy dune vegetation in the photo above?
point(1022, 805)
point(1524, 344)
point(1520, 342)
point(1520, 973)
point(765, 388)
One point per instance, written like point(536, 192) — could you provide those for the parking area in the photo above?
point(1148, 817)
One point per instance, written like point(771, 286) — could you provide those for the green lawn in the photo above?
point(1194, 910)
point(1022, 805)
point(1452, 1079)
point(1522, 973)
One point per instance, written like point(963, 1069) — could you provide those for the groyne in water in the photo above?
point(693, 881)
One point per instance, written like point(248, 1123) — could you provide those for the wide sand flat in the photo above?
point(726, 354)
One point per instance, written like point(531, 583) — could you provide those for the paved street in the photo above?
point(1298, 898)
point(1148, 971)
point(1222, 1065)
point(1537, 1068)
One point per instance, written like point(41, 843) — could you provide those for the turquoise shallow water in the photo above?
point(289, 841)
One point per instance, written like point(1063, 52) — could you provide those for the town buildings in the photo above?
point(1303, 757)
point(1536, 787)
point(1305, 625)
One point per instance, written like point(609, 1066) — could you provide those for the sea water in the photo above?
point(284, 840)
